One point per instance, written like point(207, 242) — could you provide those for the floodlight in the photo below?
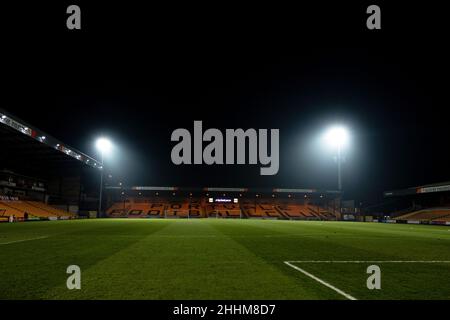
point(103, 144)
point(337, 137)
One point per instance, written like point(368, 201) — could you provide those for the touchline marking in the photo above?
point(290, 264)
point(23, 240)
point(368, 261)
point(320, 281)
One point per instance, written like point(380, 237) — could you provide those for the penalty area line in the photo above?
point(326, 284)
point(23, 240)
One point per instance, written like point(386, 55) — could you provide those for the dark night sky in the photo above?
point(139, 74)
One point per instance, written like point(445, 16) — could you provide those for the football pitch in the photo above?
point(223, 259)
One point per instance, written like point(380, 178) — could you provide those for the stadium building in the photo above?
point(173, 202)
point(427, 204)
point(42, 177)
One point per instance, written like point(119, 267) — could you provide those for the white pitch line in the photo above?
point(320, 281)
point(369, 261)
point(16, 241)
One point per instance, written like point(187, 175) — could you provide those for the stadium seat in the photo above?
point(34, 209)
point(426, 215)
point(263, 209)
point(157, 207)
point(197, 208)
point(229, 210)
point(297, 211)
point(50, 209)
point(7, 210)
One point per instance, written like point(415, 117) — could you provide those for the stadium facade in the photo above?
point(39, 173)
point(174, 202)
point(43, 178)
point(426, 204)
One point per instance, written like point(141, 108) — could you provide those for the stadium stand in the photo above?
point(157, 207)
point(426, 214)
point(7, 210)
point(230, 210)
point(265, 210)
point(297, 211)
point(32, 209)
point(119, 209)
point(325, 213)
point(443, 219)
point(49, 209)
point(180, 208)
point(39, 169)
point(426, 204)
point(198, 208)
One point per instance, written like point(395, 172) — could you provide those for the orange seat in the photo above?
point(34, 209)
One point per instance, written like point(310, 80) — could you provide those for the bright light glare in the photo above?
point(103, 144)
point(337, 137)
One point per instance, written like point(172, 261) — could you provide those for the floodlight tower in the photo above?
point(337, 138)
point(104, 146)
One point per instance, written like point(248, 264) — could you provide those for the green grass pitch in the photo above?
point(220, 259)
